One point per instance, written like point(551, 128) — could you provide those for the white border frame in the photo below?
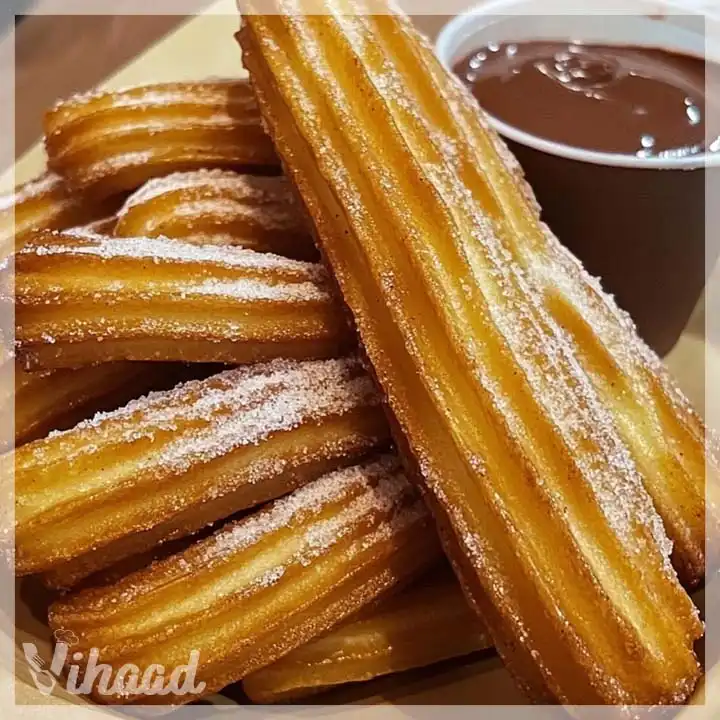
point(708, 711)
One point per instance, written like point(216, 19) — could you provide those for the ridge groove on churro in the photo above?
point(540, 472)
point(44, 203)
point(58, 399)
point(421, 625)
point(262, 586)
point(110, 142)
point(170, 463)
point(83, 298)
point(222, 207)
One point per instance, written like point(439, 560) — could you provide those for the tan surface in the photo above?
point(51, 53)
point(175, 57)
point(478, 682)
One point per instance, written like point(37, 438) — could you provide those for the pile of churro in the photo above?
point(306, 392)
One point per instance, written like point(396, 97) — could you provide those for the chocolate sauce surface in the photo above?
point(616, 99)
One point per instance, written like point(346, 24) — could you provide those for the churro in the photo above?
point(260, 587)
point(83, 298)
point(424, 624)
point(173, 462)
point(540, 421)
point(58, 399)
point(104, 143)
point(220, 207)
point(43, 204)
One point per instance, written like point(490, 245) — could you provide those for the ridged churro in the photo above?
point(424, 624)
point(104, 143)
point(83, 298)
point(540, 422)
point(260, 587)
point(173, 462)
point(65, 577)
point(43, 204)
point(222, 208)
point(58, 399)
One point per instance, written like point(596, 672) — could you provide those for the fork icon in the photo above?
point(42, 677)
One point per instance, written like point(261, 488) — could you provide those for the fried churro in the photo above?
point(58, 399)
point(173, 462)
point(220, 207)
point(424, 624)
point(43, 204)
point(260, 587)
point(104, 143)
point(540, 422)
point(83, 298)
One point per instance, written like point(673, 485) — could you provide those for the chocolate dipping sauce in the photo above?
point(612, 99)
point(640, 229)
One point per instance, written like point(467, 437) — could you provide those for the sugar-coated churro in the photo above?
point(541, 423)
point(83, 298)
point(173, 462)
point(104, 143)
point(58, 399)
point(220, 207)
point(260, 587)
point(43, 204)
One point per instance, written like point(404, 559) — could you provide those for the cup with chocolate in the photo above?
point(615, 120)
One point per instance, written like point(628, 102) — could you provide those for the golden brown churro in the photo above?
point(222, 208)
point(83, 298)
point(58, 399)
point(109, 142)
point(429, 622)
point(65, 577)
point(43, 204)
point(540, 422)
point(260, 587)
point(166, 465)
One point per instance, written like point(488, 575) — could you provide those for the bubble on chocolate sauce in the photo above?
point(580, 72)
point(477, 60)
